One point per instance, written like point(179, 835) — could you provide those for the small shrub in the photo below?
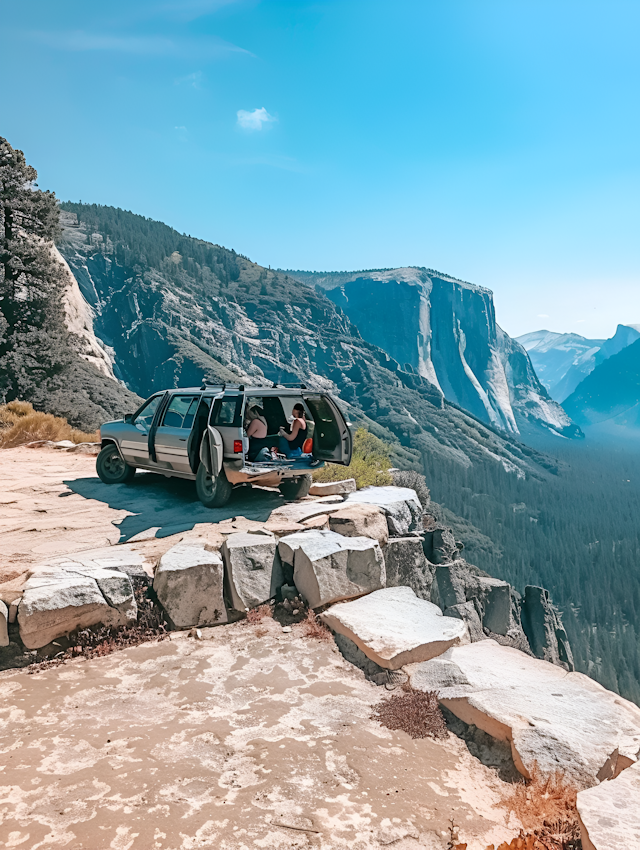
point(369, 464)
point(546, 807)
point(415, 481)
point(257, 615)
point(415, 712)
point(313, 627)
point(20, 424)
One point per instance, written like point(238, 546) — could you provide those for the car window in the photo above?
point(145, 416)
point(180, 412)
point(226, 411)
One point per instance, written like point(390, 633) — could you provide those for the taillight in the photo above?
point(237, 447)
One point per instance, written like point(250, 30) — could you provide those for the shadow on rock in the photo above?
point(169, 506)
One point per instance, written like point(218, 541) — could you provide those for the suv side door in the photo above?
point(172, 434)
point(134, 442)
point(332, 440)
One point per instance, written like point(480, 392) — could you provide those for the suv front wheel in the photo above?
point(295, 488)
point(213, 490)
point(111, 468)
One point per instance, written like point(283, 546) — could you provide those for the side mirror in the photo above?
point(128, 417)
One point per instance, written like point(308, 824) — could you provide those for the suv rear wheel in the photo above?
point(213, 490)
point(111, 468)
point(295, 488)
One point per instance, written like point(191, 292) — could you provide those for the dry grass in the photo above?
point(415, 712)
point(20, 424)
point(257, 615)
point(546, 807)
point(313, 627)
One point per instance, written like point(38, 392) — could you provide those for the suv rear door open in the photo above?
point(332, 439)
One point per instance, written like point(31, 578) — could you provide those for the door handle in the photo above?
point(182, 439)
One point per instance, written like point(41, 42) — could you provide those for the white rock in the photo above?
point(120, 557)
point(299, 511)
point(563, 721)
point(288, 544)
point(57, 602)
point(4, 624)
point(189, 584)
point(249, 561)
point(361, 521)
point(400, 504)
point(609, 814)
point(393, 627)
point(331, 488)
point(329, 567)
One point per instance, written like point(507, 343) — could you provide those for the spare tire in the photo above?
point(295, 488)
point(213, 490)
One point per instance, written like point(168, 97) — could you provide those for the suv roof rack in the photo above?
point(295, 385)
point(224, 386)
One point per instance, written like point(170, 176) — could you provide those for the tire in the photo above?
point(213, 490)
point(295, 488)
point(111, 468)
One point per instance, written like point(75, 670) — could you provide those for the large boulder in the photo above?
point(407, 565)
point(543, 627)
point(4, 625)
point(393, 627)
point(329, 567)
point(297, 512)
point(361, 521)
point(557, 720)
point(609, 814)
point(333, 488)
point(400, 504)
point(249, 563)
point(189, 584)
point(57, 601)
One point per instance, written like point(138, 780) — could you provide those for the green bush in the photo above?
point(369, 464)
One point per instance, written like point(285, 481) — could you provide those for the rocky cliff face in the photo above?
point(174, 309)
point(445, 330)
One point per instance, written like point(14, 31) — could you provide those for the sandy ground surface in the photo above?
point(53, 503)
point(250, 738)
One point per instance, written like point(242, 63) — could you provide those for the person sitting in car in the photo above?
point(256, 430)
point(290, 443)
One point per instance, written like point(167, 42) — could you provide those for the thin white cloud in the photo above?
point(79, 40)
point(254, 120)
point(543, 316)
point(192, 80)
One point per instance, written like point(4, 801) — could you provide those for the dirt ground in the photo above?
point(250, 738)
point(53, 503)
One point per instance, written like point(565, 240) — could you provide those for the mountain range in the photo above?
point(562, 361)
point(168, 310)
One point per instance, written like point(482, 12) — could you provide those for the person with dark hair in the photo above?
point(290, 443)
point(256, 431)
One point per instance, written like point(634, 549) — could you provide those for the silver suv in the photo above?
point(199, 434)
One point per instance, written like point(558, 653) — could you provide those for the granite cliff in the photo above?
point(445, 330)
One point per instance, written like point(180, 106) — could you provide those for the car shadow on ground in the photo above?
point(170, 505)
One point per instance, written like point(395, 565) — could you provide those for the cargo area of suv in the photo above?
point(199, 434)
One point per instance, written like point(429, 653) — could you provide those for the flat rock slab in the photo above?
point(563, 721)
point(400, 504)
point(394, 627)
point(297, 512)
point(329, 567)
point(244, 739)
point(189, 583)
point(58, 601)
point(249, 563)
point(407, 565)
point(609, 814)
point(331, 488)
point(123, 558)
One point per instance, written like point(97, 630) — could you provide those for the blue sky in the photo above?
point(495, 140)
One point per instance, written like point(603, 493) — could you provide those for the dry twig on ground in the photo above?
point(257, 615)
point(313, 627)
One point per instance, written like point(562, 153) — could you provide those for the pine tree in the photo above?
point(33, 343)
